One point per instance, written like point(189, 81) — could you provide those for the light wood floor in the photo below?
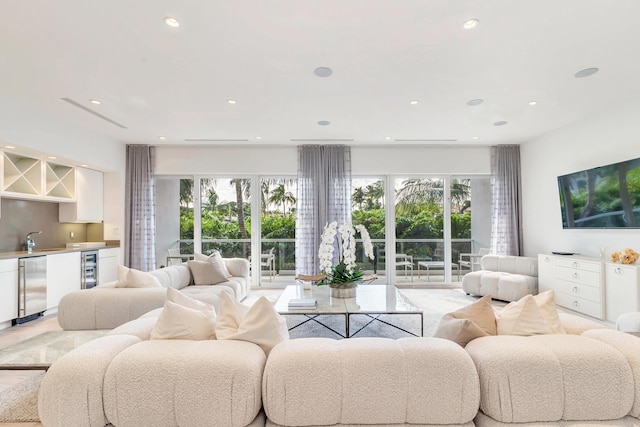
point(14, 335)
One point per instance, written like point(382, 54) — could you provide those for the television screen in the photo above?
point(603, 197)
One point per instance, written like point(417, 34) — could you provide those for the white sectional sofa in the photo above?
point(587, 377)
point(506, 278)
point(106, 307)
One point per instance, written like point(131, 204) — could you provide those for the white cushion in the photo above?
point(522, 317)
point(549, 311)
point(206, 273)
point(216, 259)
point(184, 318)
point(260, 324)
point(132, 278)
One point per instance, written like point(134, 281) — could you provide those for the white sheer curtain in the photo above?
point(324, 195)
point(506, 215)
point(140, 213)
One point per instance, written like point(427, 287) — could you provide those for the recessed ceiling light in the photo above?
point(500, 123)
point(470, 23)
point(10, 147)
point(162, 138)
point(532, 102)
point(52, 157)
point(586, 72)
point(258, 137)
point(324, 123)
point(231, 101)
point(387, 138)
point(323, 71)
point(83, 166)
point(474, 102)
point(171, 21)
point(474, 137)
point(413, 102)
point(95, 101)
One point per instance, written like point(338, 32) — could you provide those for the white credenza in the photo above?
point(578, 282)
point(622, 294)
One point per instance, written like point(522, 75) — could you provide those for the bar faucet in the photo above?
point(30, 242)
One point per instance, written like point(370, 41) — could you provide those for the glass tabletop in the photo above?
point(369, 299)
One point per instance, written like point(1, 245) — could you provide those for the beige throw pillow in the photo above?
point(260, 324)
point(468, 323)
point(132, 278)
point(549, 311)
point(184, 318)
point(216, 259)
point(205, 273)
point(522, 317)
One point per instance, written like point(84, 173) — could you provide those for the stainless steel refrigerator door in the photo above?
point(32, 291)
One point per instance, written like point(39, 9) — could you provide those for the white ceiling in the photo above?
point(155, 80)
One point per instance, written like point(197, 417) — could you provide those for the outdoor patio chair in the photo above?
point(474, 259)
point(268, 260)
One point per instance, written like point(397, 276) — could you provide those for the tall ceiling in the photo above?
point(156, 81)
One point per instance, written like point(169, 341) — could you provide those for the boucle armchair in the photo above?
point(506, 278)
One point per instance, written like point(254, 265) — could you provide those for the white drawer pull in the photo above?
point(575, 264)
point(576, 304)
point(546, 259)
point(575, 275)
point(575, 289)
point(618, 270)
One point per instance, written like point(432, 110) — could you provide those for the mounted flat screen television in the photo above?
point(602, 197)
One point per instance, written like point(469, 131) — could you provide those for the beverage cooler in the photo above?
point(89, 269)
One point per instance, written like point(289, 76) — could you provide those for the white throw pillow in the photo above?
point(549, 311)
point(184, 318)
point(132, 278)
point(260, 324)
point(522, 317)
point(216, 259)
point(206, 273)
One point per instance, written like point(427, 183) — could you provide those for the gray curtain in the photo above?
point(140, 212)
point(324, 195)
point(506, 216)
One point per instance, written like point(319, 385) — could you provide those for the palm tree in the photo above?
point(374, 195)
point(416, 193)
point(186, 192)
point(243, 187)
point(280, 195)
point(358, 197)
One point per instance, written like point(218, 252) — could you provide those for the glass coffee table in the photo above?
point(39, 352)
point(371, 301)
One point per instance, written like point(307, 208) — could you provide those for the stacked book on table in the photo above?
point(302, 303)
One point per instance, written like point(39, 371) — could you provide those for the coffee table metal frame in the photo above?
point(372, 301)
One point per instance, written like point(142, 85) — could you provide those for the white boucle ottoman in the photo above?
point(365, 381)
point(185, 383)
point(548, 378)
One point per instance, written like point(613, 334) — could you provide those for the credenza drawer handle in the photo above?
point(575, 275)
point(576, 304)
point(575, 264)
point(618, 270)
point(575, 289)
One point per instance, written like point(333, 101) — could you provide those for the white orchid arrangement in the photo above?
point(346, 270)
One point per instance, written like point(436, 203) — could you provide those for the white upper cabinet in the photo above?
point(21, 176)
point(60, 181)
point(28, 177)
point(89, 206)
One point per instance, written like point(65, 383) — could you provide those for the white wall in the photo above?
point(282, 160)
point(608, 138)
